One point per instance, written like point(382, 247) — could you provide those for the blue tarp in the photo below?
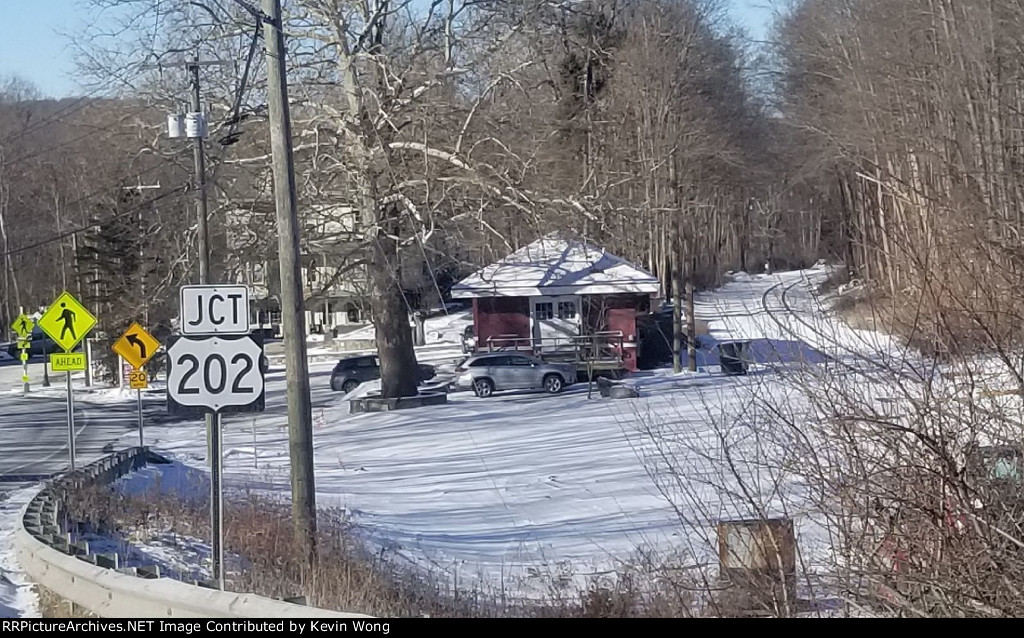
point(759, 351)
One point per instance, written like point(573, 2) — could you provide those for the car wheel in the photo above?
point(553, 384)
point(349, 386)
point(483, 388)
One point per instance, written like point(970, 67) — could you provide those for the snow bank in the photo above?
point(17, 596)
point(362, 390)
point(443, 329)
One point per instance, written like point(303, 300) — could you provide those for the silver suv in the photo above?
point(487, 373)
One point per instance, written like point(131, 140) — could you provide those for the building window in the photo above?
point(567, 310)
point(543, 311)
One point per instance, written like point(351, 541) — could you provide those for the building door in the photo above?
point(555, 321)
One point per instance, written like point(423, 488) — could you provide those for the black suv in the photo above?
point(39, 344)
point(352, 371)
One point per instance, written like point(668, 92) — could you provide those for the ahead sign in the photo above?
point(214, 374)
point(214, 310)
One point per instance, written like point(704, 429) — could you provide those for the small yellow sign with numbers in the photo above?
point(138, 380)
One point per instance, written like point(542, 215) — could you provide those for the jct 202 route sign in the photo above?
point(215, 374)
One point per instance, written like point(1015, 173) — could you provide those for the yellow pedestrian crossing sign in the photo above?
point(22, 326)
point(136, 346)
point(67, 321)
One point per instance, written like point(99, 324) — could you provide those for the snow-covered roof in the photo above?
point(553, 265)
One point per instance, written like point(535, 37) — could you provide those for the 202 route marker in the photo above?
point(214, 374)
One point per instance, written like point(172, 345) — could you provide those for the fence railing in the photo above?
point(596, 348)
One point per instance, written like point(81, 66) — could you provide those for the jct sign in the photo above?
point(214, 310)
point(221, 370)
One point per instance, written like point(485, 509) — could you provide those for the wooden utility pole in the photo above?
point(691, 320)
point(293, 311)
point(675, 259)
point(199, 159)
point(213, 422)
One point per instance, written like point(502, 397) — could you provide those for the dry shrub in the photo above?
point(263, 558)
point(53, 606)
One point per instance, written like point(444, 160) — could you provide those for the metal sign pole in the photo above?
point(216, 502)
point(142, 439)
point(88, 363)
point(24, 337)
point(215, 329)
point(24, 369)
point(71, 422)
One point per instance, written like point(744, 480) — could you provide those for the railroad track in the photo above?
point(873, 365)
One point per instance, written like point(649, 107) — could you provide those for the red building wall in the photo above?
point(617, 313)
point(505, 316)
point(501, 316)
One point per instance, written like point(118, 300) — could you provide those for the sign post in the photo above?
point(137, 347)
point(67, 322)
point(215, 367)
point(22, 327)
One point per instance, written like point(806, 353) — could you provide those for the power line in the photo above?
point(100, 191)
point(79, 104)
point(33, 155)
point(80, 229)
point(231, 138)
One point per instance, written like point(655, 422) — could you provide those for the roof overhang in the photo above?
point(505, 290)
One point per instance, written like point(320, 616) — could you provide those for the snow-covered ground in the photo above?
point(17, 596)
point(443, 329)
point(523, 487)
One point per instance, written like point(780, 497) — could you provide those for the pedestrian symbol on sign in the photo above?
point(67, 322)
point(67, 315)
point(22, 326)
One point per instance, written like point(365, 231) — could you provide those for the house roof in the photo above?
point(553, 265)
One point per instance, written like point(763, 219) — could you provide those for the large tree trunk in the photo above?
point(399, 372)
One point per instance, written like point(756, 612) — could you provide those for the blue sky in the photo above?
point(31, 44)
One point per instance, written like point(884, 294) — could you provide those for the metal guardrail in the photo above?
point(54, 556)
point(46, 518)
